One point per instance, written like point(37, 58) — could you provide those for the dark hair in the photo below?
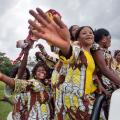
point(41, 64)
point(80, 28)
point(71, 35)
point(100, 33)
point(116, 52)
point(14, 72)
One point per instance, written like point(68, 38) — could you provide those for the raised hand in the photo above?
point(53, 31)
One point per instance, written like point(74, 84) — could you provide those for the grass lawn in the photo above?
point(5, 108)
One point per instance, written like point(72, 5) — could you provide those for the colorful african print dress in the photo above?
point(107, 83)
point(31, 101)
point(73, 86)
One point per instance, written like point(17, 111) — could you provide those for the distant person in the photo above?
point(116, 62)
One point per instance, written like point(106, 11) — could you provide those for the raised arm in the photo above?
point(23, 64)
point(43, 54)
point(99, 59)
point(53, 31)
point(17, 85)
point(7, 80)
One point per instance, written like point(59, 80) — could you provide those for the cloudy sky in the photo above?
point(96, 13)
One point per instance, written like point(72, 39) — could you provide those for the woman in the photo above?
point(36, 104)
point(77, 89)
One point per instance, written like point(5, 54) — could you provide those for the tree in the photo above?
point(5, 64)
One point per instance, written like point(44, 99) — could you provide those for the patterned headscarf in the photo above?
point(52, 12)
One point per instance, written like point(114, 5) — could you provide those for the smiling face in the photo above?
point(86, 36)
point(40, 73)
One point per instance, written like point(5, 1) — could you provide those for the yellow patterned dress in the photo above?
point(32, 100)
point(73, 86)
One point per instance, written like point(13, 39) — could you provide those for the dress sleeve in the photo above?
point(20, 86)
point(74, 53)
point(67, 60)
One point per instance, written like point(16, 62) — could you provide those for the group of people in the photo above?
point(64, 88)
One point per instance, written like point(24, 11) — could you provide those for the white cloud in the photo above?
point(14, 16)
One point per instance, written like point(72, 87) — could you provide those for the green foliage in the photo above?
point(5, 107)
point(5, 64)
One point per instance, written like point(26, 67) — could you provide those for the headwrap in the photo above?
point(53, 12)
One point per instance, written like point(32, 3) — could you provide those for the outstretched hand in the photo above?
point(53, 31)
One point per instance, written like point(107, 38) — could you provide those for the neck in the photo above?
point(102, 46)
point(86, 48)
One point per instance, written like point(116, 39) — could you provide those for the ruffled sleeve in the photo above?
point(20, 86)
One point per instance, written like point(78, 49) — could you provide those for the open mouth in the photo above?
point(42, 75)
point(89, 38)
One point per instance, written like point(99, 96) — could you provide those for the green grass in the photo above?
point(5, 108)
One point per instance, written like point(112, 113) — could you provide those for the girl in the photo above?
point(36, 105)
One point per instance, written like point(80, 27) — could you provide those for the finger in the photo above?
point(38, 34)
point(43, 15)
point(35, 26)
point(38, 17)
point(59, 22)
